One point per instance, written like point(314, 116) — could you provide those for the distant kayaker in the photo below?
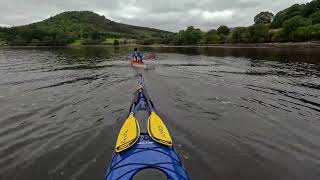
point(136, 56)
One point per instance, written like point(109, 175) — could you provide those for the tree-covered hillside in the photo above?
point(297, 23)
point(67, 27)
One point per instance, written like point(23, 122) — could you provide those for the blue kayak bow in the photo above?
point(137, 151)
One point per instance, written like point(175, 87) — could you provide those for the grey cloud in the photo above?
point(170, 15)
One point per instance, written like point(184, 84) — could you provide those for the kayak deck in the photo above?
point(146, 154)
point(136, 151)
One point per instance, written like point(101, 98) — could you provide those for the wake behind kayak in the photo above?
point(136, 152)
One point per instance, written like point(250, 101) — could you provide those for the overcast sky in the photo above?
point(172, 15)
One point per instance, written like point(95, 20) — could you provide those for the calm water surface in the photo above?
point(234, 113)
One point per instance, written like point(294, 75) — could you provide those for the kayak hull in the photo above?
point(139, 65)
point(146, 154)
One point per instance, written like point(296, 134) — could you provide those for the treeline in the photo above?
point(297, 23)
point(294, 24)
point(34, 36)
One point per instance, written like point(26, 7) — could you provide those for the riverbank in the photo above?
point(252, 45)
point(313, 44)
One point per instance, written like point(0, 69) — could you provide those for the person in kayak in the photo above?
point(136, 56)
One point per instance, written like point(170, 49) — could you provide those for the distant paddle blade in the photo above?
point(128, 135)
point(158, 130)
point(152, 56)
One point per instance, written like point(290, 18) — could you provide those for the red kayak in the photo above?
point(138, 65)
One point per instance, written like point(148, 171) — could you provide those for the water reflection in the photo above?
point(283, 54)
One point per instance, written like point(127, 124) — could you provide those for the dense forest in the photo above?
point(295, 24)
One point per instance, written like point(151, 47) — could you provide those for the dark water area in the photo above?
point(233, 113)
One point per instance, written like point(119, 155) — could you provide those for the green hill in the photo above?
point(67, 27)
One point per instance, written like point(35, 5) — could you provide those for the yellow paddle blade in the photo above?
point(158, 131)
point(128, 135)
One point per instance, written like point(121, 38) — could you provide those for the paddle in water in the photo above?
point(152, 56)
